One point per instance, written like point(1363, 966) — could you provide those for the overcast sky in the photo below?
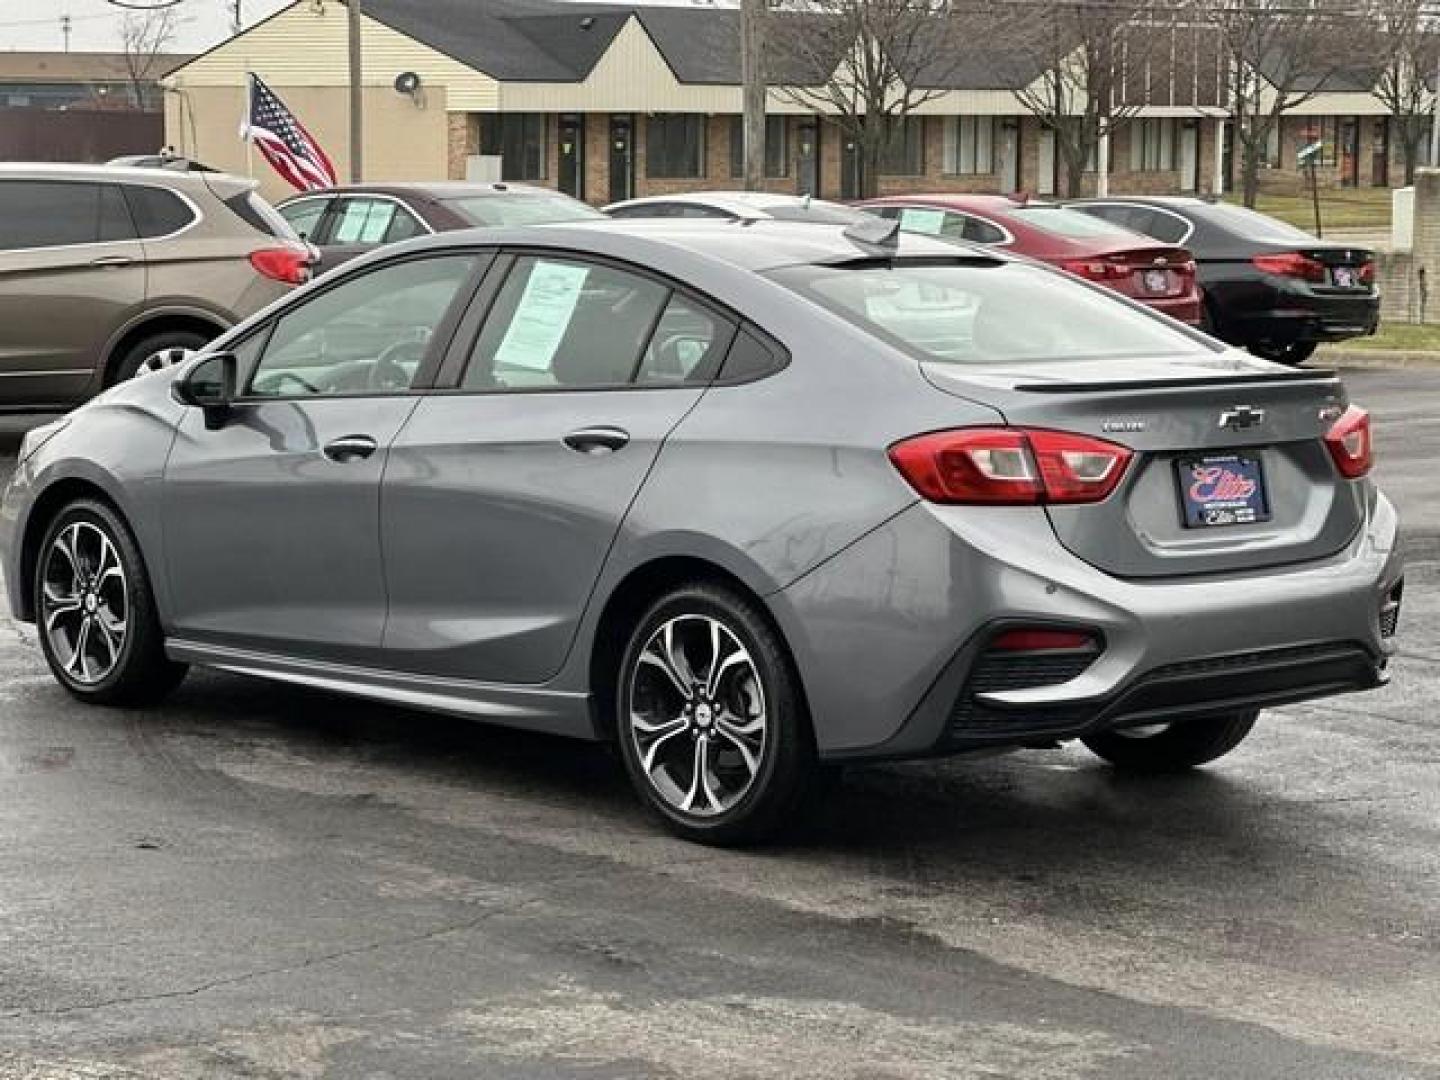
point(95, 24)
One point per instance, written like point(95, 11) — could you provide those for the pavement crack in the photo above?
point(280, 969)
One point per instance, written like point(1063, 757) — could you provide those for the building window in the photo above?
point(777, 146)
point(1152, 145)
point(970, 145)
point(675, 145)
point(519, 140)
point(905, 154)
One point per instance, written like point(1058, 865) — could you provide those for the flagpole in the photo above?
point(249, 112)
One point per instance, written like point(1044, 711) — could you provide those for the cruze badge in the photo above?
point(1113, 426)
point(1241, 417)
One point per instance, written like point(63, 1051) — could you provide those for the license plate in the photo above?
point(1222, 489)
point(1156, 281)
point(1344, 277)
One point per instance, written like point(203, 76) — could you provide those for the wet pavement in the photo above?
point(260, 881)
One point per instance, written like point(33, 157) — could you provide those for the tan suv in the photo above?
point(103, 267)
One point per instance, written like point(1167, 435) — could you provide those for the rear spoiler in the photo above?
point(1328, 375)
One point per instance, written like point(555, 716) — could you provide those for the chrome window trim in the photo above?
point(1009, 237)
point(198, 214)
point(1189, 225)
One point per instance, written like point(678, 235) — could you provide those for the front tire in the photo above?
point(1175, 747)
point(150, 352)
point(710, 719)
point(95, 612)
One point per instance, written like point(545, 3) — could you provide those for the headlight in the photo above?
point(37, 437)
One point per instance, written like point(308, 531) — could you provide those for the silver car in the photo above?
point(744, 499)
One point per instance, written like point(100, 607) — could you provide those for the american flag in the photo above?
point(284, 141)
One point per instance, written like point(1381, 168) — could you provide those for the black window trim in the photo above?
point(435, 351)
point(462, 348)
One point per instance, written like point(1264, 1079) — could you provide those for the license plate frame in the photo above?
point(1345, 277)
point(1155, 282)
point(1230, 491)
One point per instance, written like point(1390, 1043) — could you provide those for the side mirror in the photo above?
point(211, 387)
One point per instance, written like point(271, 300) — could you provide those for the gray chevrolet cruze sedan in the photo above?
point(745, 498)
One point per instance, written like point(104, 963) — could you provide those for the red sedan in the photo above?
point(1157, 274)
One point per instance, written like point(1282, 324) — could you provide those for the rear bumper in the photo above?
point(1319, 319)
point(890, 635)
point(1184, 308)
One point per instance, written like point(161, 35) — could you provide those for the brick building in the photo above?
point(610, 102)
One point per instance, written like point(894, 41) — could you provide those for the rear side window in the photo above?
point(1070, 223)
point(984, 312)
point(304, 216)
point(259, 215)
point(52, 213)
point(157, 212)
point(751, 357)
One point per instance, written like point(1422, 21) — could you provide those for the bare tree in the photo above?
point(144, 37)
point(1278, 54)
point(1084, 52)
point(1405, 47)
point(868, 64)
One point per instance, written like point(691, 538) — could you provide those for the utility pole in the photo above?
point(357, 108)
point(237, 19)
point(65, 29)
point(752, 80)
point(1435, 120)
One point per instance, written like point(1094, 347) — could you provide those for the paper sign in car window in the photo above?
point(542, 316)
point(922, 221)
point(363, 222)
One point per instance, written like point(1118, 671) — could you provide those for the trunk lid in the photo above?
point(1255, 429)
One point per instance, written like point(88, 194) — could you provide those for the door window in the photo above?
point(365, 221)
point(304, 216)
point(157, 212)
point(367, 335)
point(565, 324)
point(46, 213)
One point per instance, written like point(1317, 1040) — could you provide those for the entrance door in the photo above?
point(1045, 182)
point(1189, 156)
point(851, 167)
point(1009, 156)
point(1380, 152)
point(572, 155)
point(807, 158)
point(1349, 152)
point(622, 157)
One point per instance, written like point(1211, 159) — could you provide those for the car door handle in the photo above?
point(597, 440)
point(351, 448)
point(112, 260)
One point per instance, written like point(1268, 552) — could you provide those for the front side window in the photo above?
point(304, 216)
point(52, 213)
point(675, 145)
point(983, 312)
point(366, 335)
point(519, 140)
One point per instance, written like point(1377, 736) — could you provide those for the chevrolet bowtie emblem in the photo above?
point(1241, 417)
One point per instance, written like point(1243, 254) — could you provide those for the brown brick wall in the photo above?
point(462, 131)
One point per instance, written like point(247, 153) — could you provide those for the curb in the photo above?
point(1376, 358)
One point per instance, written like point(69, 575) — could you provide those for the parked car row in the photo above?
point(745, 499)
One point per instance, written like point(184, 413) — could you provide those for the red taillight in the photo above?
point(1350, 443)
point(1031, 640)
point(1098, 269)
point(1291, 264)
point(1010, 466)
point(282, 264)
point(1367, 273)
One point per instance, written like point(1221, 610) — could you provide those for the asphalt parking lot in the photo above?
point(258, 881)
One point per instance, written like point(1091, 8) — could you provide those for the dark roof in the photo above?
point(560, 41)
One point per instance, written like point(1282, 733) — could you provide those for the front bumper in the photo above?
point(889, 634)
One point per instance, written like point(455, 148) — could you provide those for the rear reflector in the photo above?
point(1010, 466)
point(1099, 269)
point(1041, 641)
point(282, 264)
point(1351, 444)
point(1291, 264)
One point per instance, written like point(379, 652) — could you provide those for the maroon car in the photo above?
point(1157, 274)
point(345, 222)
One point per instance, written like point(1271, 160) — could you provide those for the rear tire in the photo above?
point(722, 757)
point(1294, 353)
point(95, 612)
point(150, 346)
point(1174, 747)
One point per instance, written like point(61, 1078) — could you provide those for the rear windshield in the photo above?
point(1254, 225)
point(504, 210)
point(1071, 223)
point(983, 312)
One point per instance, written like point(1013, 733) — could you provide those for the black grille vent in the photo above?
point(999, 671)
point(1240, 661)
point(1390, 611)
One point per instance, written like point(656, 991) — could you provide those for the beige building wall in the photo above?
point(402, 142)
